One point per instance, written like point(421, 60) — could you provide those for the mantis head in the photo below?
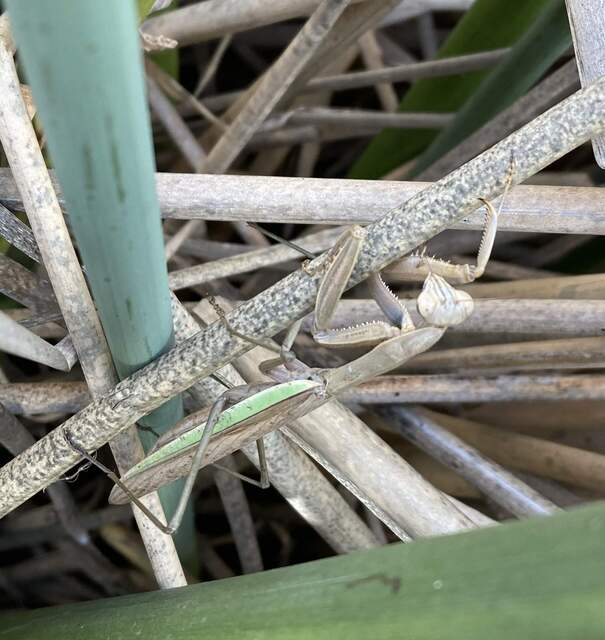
point(441, 305)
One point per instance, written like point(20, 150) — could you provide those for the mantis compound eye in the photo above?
point(441, 305)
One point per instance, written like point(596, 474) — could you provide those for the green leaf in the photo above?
point(143, 8)
point(547, 39)
point(542, 579)
point(487, 25)
point(168, 60)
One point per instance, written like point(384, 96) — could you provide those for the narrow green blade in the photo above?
point(547, 39)
point(487, 25)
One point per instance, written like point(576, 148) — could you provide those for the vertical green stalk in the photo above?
point(83, 60)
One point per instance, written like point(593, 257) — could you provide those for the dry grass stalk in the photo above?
point(581, 288)
point(21, 342)
point(528, 208)
point(490, 478)
point(570, 353)
point(372, 58)
point(209, 20)
point(456, 389)
point(240, 520)
point(175, 125)
point(266, 96)
point(18, 234)
point(570, 465)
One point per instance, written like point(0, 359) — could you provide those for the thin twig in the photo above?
point(427, 35)
point(212, 66)
point(269, 91)
point(16, 537)
point(571, 353)
point(269, 162)
point(22, 342)
point(546, 417)
point(203, 21)
point(175, 125)
point(26, 287)
point(490, 478)
point(551, 489)
point(35, 398)
point(578, 467)
point(580, 288)
point(556, 249)
point(398, 73)
point(212, 562)
point(176, 91)
point(240, 520)
point(18, 234)
point(250, 261)
point(528, 208)
point(504, 388)
point(372, 59)
point(358, 118)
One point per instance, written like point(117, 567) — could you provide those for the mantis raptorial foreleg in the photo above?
point(439, 304)
point(417, 266)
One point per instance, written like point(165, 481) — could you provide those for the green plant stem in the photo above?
point(101, 147)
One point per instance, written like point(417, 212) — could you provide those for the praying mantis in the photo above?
point(181, 452)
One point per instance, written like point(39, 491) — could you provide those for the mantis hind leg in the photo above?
point(164, 528)
point(263, 482)
point(234, 394)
